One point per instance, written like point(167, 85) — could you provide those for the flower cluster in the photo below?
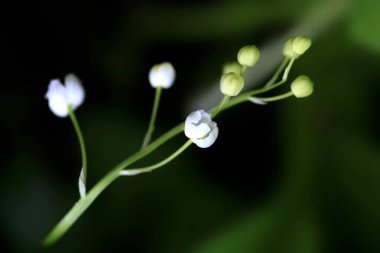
point(199, 127)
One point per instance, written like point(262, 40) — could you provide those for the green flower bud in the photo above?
point(288, 48)
point(302, 87)
point(294, 47)
point(248, 56)
point(231, 84)
point(232, 67)
point(301, 44)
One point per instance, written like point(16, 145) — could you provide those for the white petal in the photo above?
point(196, 124)
point(194, 117)
point(162, 74)
point(57, 100)
point(74, 90)
point(206, 117)
point(202, 130)
point(55, 86)
point(209, 140)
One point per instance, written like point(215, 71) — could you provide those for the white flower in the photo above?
point(201, 129)
point(61, 96)
point(162, 75)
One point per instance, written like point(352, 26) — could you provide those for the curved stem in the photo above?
point(82, 147)
point(136, 171)
point(220, 106)
point(278, 71)
point(82, 204)
point(286, 72)
point(275, 98)
point(150, 130)
point(245, 96)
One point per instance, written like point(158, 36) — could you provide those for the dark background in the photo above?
point(300, 175)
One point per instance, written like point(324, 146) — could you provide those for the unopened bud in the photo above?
point(288, 48)
point(232, 67)
point(302, 87)
point(295, 47)
point(162, 75)
point(301, 44)
point(248, 55)
point(231, 84)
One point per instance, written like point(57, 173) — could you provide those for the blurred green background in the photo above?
point(293, 176)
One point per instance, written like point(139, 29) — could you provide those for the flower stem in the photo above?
point(136, 171)
point(220, 106)
point(81, 142)
point(278, 71)
point(286, 72)
point(275, 98)
point(245, 96)
point(153, 117)
point(82, 204)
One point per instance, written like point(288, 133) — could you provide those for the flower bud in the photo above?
point(288, 48)
point(233, 67)
point(162, 75)
point(302, 87)
point(200, 129)
point(301, 44)
point(248, 56)
point(231, 84)
point(60, 96)
point(295, 47)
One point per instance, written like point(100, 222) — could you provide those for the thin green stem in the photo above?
point(136, 171)
point(82, 204)
point(276, 98)
point(278, 72)
point(287, 70)
point(244, 97)
point(153, 117)
point(220, 106)
point(81, 142)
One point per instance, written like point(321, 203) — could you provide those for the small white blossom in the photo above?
point(162, 75)
point(200, 129)
point(60, 96)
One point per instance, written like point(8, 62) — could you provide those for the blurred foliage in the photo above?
point(308, 182)
point(365, 19)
